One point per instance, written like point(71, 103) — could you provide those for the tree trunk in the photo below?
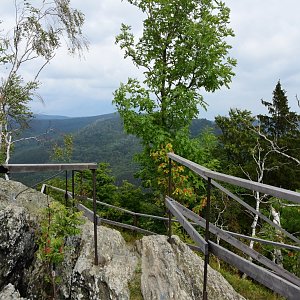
point(254, 225)
point(255, 220)
point(277, 255)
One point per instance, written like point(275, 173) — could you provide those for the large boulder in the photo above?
point(109, 280)
point(17, 245)
point(174, 271)
point(19, 211)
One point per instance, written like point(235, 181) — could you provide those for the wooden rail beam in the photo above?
point(197, 238)
point(26, 168)
point(238, 244)
point(248, 184)
point(265, 277)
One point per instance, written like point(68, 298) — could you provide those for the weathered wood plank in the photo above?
point(195, 168)
point(197, 238)
point(265, 277)
point(238, 244)
point(89, 214)
point(251, 185)
point(26, 168)
point(59, 190)
point(262, 241)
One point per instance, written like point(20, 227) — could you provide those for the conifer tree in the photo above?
point(281, 121)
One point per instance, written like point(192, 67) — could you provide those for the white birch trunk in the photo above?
point(277, 255)
point(255, 219)
point(254, 225)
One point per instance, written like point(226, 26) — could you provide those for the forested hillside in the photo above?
point(95, 139)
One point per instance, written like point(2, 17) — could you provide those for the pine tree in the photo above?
point(281, 126)
point(281, 122)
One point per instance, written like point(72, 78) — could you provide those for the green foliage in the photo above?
point(15, 94)
point(282, 128)
point(56, 224)
point(290, 219)
point(134, 286)
point(104, 183)
point(63, 153)
point(247, 142)
point(181, 51)
point(253, 147)
point(281, 122)
point(249, 289)
point(237, 140)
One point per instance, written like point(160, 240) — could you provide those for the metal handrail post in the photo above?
point(169, 194)
point(95, 217)
point(66, 193)
point(73, 186)
point(206, 258)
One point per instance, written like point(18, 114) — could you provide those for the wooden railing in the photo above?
point(282, 282)
point(273, 276)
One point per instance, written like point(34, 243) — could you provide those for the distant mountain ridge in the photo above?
point(48, 117)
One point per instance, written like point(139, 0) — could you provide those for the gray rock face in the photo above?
point(19, 207)
point(16, 244)
point(10, 293)
point(173, 271)
point(108, 280)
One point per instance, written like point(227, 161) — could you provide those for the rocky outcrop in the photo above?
point(108, 280)
point(19, 208)
point(16, 244)
point(80, 277)
point(158, 269)
point(174, 271)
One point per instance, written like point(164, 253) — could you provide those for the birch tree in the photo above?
point(40, 29)
point(249, 156)
point(265, 149)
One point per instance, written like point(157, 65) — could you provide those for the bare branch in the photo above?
point(276, 148)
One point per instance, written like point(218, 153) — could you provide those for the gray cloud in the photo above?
point(266, 46)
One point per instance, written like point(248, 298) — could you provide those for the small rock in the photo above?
point(10, 293)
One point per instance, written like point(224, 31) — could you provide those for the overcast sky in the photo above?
point(266, 46)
